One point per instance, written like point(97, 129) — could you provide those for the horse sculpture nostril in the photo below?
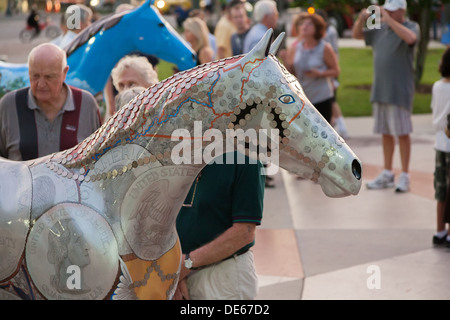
point(356, 169)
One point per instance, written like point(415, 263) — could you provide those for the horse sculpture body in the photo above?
point(98, 221)
point(95, 51)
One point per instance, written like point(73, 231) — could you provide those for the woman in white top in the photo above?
point(440, 106)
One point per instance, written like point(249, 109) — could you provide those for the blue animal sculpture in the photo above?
point(94, 52)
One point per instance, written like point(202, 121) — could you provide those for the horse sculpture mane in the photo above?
point(106, 208)
point(102, 24)
point(160, 102)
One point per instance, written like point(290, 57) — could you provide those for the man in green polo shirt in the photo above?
point(216, 226)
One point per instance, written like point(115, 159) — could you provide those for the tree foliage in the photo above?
point(421, 11)
point(424, 12)
point(338, 5)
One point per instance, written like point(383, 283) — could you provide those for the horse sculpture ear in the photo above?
point(275, 47)
point(261, 50)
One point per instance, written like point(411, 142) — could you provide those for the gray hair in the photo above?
point(137, 63)
point(263, 8)
point(125, 96)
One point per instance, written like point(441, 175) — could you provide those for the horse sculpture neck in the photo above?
point(96, 47)
point(157, 112)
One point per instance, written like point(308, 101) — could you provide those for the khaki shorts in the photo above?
point(231, 279)
point(391, 119)
point(441, 175)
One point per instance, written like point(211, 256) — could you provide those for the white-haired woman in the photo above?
point(133, 71)
point(130, 71)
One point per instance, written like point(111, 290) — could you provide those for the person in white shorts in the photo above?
point(393, 86)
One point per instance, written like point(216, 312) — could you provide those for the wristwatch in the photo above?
point(188, 262)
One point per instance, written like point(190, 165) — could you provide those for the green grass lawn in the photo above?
point(165, 69)
point(356, 79)
point(356, 74)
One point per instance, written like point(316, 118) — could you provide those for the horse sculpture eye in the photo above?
point(287, 99)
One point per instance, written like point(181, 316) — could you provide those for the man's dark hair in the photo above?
point(234, 3)
point(444, 67)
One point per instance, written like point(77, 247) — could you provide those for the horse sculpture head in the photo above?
point(99, 47)
point(254, 91)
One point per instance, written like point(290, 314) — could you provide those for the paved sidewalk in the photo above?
point(377, 245)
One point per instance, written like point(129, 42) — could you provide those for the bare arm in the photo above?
point(331, 61)
point(234, 238)
point(403, 32)
point(205, 55)
point(109, 99)
point(358, 27)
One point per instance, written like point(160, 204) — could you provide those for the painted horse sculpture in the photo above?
point(95, 51)
point(97, 221)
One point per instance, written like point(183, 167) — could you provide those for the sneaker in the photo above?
point(269, 182)
point(383, 181)
point(403, 183)
point(439, 240)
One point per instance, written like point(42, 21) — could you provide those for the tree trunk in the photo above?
point(425, 23)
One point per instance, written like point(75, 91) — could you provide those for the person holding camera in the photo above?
point(393, 43)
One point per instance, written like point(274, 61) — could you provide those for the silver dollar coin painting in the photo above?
point(65, 249)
